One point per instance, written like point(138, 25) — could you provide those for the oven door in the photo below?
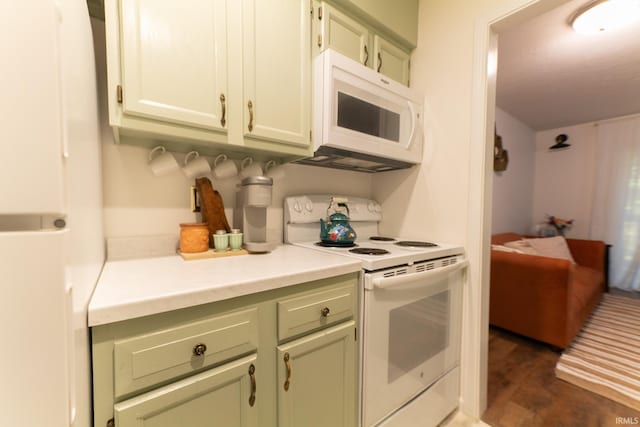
point(411, 336)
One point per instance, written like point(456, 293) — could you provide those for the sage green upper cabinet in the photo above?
point(316, 379)
point(222, 396)
point(211, 75)
point(174, 61)
point(399, 18)
point(343, 34)
point(277, 70)
point(390, 60)
point(357, 39)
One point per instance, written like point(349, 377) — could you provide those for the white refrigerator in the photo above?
point(51, 238)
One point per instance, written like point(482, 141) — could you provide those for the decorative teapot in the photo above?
point(337, 230)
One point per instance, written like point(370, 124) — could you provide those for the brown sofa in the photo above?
point(547, 299)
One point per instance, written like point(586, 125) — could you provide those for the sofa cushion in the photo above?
point(551, 247)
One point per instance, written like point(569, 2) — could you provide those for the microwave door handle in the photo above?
point(412, 112)
point(394, 283)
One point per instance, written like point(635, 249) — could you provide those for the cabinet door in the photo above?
point(391, 61)
point(344, 35)
point(320, 369)
point(277, 70)
point(398, 17)
point(174, 59)
point(219, 396)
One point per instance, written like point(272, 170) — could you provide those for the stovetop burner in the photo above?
point(382, 239)
point(336, 245)
point(369, 251)
point(416, 244)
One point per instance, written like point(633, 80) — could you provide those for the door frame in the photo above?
point(474, 361)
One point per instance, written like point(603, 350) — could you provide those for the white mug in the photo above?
point(273, 170)
point(224, 167)
point(249, 168)
point(197, 167)
point(163, 163)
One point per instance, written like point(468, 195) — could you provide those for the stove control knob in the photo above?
point(371, 207)
point(297, 207)
point(308, 206)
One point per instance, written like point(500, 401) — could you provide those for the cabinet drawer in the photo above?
point(308, 312)
point(150, 359)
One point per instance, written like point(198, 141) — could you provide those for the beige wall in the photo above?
point(513, 188)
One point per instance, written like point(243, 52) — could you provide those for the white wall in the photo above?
point(137, 203)
point(513, 188)
point(564, 179)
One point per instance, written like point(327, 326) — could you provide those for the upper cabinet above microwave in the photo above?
point(217, 74)
point(358, 39)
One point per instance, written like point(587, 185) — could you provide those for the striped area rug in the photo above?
point(605, 356)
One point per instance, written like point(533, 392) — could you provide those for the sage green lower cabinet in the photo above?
point(316, 379)
point(221, 364)
point(220, 396)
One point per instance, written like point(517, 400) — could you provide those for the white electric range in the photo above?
point(410, 313)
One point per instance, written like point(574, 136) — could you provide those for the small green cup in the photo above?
point(221, 242)
point(235, 241)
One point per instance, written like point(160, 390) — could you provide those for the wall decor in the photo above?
point(500, 155)
point(561, 142)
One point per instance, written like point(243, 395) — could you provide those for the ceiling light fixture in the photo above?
point(603, 15)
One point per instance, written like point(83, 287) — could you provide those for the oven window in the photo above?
point(417, 332)
point(361, 116)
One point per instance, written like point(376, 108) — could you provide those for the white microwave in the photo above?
point(362, 120)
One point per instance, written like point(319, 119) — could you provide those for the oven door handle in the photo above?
point(395, 282)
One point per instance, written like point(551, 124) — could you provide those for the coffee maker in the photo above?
point(252, 203)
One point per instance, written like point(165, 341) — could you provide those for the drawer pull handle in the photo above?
point(252, 398)
point(223, 121)
point(288, 365)
point(325, 312)
point(366, 55)
point(250, 106)
point(199, 349)
point(379, 61)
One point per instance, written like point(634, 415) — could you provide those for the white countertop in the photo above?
point(140, 287)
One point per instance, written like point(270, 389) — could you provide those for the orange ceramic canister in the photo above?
point(194, 237)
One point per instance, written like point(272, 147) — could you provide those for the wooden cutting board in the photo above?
point(211, 253)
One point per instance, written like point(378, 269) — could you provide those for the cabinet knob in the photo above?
point(199, 349)
point(325, 312)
